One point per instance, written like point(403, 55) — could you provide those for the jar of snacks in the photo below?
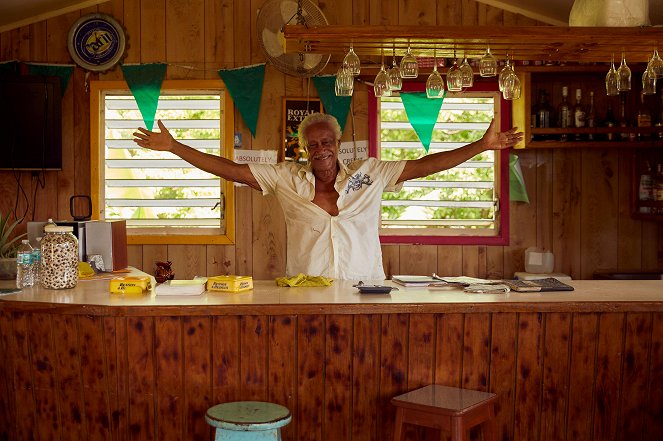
point(59, 258)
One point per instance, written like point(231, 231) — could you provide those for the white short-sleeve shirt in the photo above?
point(346, 246)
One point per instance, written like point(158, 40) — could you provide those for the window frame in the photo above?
point(503, 112)
point(98, 89)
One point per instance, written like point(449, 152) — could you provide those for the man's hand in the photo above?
point(496, 140)
point(161, 140)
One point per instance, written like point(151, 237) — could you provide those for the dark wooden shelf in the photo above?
point(549, 144)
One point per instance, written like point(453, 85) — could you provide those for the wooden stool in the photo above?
point(446, 408)
point(247, 420)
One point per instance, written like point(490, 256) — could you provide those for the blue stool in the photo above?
point(247, 420)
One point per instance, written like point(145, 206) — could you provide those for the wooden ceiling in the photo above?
point(545, 43)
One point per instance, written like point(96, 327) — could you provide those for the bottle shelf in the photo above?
point(544, 85)
point(548, 144)
point(554, 90)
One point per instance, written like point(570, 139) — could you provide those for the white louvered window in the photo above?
point(459, 202)
point(163, 198)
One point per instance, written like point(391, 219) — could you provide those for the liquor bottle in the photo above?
point(564, 113)
point(644, 119)
point(591, 115)
point(646, 188)
point(623, 122)
point(534, 117)
point(543, 112)
point(659, 123)
point(579, 114)
point(658, 188)
point(610, 122)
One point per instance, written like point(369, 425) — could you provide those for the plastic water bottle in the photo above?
point(24, 265)
point(36, 261)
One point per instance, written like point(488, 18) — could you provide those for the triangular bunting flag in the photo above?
point(422, 113)
point(9, 68)
point(145, 80)
point(62, 71)
point(245, 87)
point(517, 189)
point(338, 106)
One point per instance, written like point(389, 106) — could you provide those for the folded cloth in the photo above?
point(85, 270)
point(304, 280)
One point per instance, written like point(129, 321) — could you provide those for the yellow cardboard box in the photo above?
point(230, 283)
point(130, 285)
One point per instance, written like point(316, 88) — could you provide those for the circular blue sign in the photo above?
point(96, 42)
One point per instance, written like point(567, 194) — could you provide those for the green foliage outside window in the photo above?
point(457, 174)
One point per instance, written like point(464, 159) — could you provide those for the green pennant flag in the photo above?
point(422, 113)
point(9, 68)
point(517, 189)
point(145, 80)
point(338, 106)
point(50, 70)
point(245, 87)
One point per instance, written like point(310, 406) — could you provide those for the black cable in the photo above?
point(20, 190)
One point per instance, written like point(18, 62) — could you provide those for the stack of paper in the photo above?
point(436, 281)
point(192, 287)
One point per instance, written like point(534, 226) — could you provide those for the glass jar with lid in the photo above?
point(59, 258)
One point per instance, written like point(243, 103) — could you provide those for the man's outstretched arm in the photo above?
point(429, 164)
point(222, 167)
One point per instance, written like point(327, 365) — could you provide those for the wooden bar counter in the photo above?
point(83, 364)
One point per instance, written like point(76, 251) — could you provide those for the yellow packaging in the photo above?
point(230, 283)
point(130, 285)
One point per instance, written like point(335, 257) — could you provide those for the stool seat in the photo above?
point(446, 408)
point(248, 420)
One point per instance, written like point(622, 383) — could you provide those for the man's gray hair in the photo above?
point(315, 118)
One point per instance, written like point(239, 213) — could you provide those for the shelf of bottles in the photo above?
point(571, 109)
point(648, 185)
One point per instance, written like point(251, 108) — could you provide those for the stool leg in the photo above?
point(489, 427)
point(398, 426)
point(254, 435)
point(458, 429)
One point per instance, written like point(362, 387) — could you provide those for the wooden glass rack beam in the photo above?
point(546, 43)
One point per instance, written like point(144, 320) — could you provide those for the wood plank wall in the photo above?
point(579, 198)
point(581, 376)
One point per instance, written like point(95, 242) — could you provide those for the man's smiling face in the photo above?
point(322, 147)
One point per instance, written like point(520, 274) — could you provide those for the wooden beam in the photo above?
point(552, 13)
point(546, 43)
point(46, 13)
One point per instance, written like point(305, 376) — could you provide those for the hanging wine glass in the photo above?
point(454, 78)
point(409, 66)
point(623, 76)
point(435, 83)
point(395, 80)
point(649, 81)
point(656, 64)
point(352, 61)
point(488, 64)
point(467, 73)
point(512, 86)
point(344, 85)
point(504, 73)
point(611, 79)
point(381, 82)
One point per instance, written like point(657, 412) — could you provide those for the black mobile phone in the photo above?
point(4, 291)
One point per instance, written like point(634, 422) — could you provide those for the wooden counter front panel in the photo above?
point(581, 376)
